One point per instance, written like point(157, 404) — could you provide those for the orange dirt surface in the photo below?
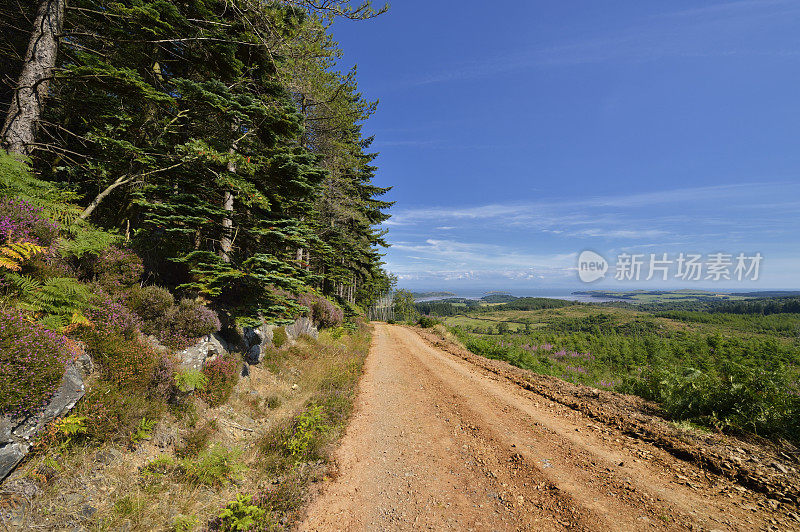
point(442, 441)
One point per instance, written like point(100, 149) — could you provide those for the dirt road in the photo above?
point(439, 443)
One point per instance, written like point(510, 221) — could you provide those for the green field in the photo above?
point(728, 371)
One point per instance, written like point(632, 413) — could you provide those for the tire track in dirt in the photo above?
point(438, 443)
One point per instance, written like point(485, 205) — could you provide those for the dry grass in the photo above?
point(149, 487)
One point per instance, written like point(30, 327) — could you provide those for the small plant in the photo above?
point(214, 467)
point(222, 374)
point(306, 428)
point(143, 431)
point(273, 402)
point(197, 440)
point(241, 514)
point(279, 337)
point(128, 505)
point(184, 523)
point(427, 322)
point(187, 381)
point(158, 468)
point(70, 426)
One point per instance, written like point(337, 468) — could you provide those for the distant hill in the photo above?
point(771, 293)
point(426, 295)
point(498, 298)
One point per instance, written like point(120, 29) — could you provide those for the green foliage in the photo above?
point(403, 304)
point(739, 380)
point(306, 428)
point(241, 515)
point(144, 430)
point(426, 321)
point(129, 505)
point(187, 381)
point(216, 466)
point(57, 302)
point(279, 337)
point(184, 523)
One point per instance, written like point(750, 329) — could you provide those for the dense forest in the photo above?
point(218, 140)
point(179, 179)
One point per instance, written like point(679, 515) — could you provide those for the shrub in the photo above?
point(426, 321)
point(32, 360)
point(279, 337)
point(151, 303)
point(176, 326)
point(215, 467)
point(126, 362)
point(22, 221)
point(241, 514)
point(112, 414)
point(321, 310)
point(197, 440)
point(117, 268)
point(298, 438)
point(109, 316)
point(193, 320)
point(222, 374)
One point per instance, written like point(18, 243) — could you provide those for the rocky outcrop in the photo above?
point(206, 350)
point(17, 434)
point(256, 340)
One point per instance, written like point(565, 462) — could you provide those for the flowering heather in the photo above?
point(194, 320)
point(564, 354)
point(576, 369)
point(222, 373)
point(22, 221)
point(111, 316)
point(32, 361)
point(322, 311)
point(118, 268)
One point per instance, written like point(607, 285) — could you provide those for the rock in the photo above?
point(109, 456)
point(256, 340)
point(245, 370)
point(164, 436)
point(10, 455)
point(205, 351)
point(16, 433)
point(302, 327)
point(88, 511)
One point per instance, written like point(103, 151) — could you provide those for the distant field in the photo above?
point(721, 369)
point(658, 296)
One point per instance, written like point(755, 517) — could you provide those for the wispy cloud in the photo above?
point(684, 33)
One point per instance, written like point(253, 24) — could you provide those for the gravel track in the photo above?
point(440, 443)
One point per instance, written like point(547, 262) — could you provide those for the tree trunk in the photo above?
point(226, 241)
point(19, 131)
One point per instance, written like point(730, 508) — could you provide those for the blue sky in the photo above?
point(518, 134)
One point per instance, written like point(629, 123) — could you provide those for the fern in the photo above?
point(86, 240)
point(13, 255)
point(17, 181)
point(58, 301)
